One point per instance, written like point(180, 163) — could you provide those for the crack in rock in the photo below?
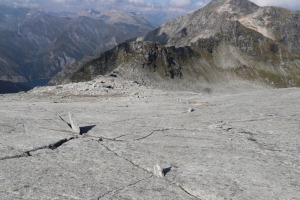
point(25, 154)
point(160, 130)
point(59, 143)
point(186, 191)
point(100, 138)
point(177, 184)
point(125, 159)
point(52, 146)
point(65, 122)
point(115, 139)
point(127, 186)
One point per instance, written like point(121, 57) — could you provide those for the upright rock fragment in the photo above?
point(74, 125)
point(158, 171)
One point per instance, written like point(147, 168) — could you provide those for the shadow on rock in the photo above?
point(166, 170)
point(86, 129)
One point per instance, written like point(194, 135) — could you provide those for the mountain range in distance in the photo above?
point(226, 43)
point(36, 45)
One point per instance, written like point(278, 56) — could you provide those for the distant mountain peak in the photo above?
point(223, 42)
point(90, 11)
point(232, 6)
point(216, 17)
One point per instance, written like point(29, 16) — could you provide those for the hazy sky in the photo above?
point(171, 6)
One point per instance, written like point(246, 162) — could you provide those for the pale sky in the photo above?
point(141, 5)
point(169, 8)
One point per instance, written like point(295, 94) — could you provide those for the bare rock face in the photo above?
point(223, 43)
point(233, 146)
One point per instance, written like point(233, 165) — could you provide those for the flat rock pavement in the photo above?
point(210, 146)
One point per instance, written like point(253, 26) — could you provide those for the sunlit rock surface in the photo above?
point(232, 146)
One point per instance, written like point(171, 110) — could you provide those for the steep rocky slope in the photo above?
point(224, 43)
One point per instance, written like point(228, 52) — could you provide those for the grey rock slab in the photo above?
point(244, 146)
point(27, 127)
point(151, 188)
point(79, 169)
point(214, 166)
point(117, 120)
point(233, 146)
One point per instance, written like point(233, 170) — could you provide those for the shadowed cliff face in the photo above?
point(222, 43)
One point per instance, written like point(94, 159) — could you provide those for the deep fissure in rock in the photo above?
point(50, 146)
point(59, 143)
point(65, 122)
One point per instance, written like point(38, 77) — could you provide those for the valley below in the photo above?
point(213, 145)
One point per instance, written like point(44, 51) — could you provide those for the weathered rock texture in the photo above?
point(233, 146)
point(224, 42)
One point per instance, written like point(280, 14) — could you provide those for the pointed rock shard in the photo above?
point(73, 123)
point(158, 171)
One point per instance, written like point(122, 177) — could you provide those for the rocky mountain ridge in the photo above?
point(227, 41)
point(273, 22)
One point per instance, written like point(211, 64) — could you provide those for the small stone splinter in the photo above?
point(73, 123)
point(158, 171)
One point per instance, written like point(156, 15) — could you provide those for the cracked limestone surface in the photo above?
point(27, 126)
point(232, 146)
point(79, 169)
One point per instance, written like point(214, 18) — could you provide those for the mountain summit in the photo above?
point(219, 16)
point(228, 42)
